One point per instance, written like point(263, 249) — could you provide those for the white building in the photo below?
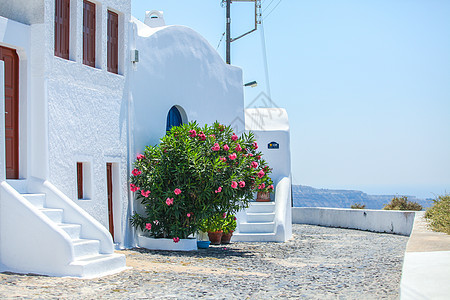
point(77, 108)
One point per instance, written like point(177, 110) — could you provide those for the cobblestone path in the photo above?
point(318, 263)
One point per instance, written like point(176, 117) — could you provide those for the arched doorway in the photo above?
point(175, 117)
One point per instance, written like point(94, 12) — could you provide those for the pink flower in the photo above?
point(156, 222)
point(177, 191)
point(140, 156)
point(221, 127)
point(232, 156)
point(136, 172)
point(218, 190)
point(255, 145)
point(133, 187)
point(251, 155)
point(212, 136)
point(261, 186)
point(225, 147)
point(258, 157)
point(216, 147)
point(238, 148)
point(193, 133)
point(234, 184)
point(235, 218)
point(261, 174)
point(224, 215)
point(145, 194)
point(189, 215)
point(148, 226)
point(176, 239)
point(169, 201)
point(201, 136)
point(254, 164)
point(223, 159)
point(241, 184)
point(234, 137)
point(270, 186)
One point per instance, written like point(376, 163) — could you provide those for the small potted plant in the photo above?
point(214, 227)
point(229, 226)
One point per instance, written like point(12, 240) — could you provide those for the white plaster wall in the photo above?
point(177, 66)
point(398, 222)
point(86, 113)
point(23, 11)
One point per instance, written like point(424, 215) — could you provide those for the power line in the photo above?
point(267, 7)
point(266, 64)
point(272, 10)
point(221, 39)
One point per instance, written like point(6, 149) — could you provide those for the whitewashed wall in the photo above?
point(390, 221)
point(87, 113)
point(177, 66)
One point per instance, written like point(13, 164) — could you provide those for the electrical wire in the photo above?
point(266, 64)
point(267, 7)
point(221, 39)
point(272, 10)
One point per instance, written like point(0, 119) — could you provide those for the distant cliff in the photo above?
point(306, 196)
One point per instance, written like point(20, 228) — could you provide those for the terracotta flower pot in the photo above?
point(263, 197)
point(215, 237)
point(226, 237)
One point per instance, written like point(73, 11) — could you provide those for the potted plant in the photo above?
point(193, 174)
point(229, 226)
point(214, 227)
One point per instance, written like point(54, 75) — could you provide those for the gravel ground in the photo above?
point(318, 263)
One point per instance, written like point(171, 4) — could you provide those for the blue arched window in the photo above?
point(173, 118)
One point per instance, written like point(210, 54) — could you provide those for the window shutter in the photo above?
point(62, 26)
point(113, 42)
point(89, 33)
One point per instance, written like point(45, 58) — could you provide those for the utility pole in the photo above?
point(229, 39)
point(228, 58)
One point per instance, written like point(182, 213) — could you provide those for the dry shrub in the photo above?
point(439, 214)
point(402, 203)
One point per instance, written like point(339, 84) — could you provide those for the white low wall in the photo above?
point(398, 222)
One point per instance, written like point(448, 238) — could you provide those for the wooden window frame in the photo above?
point(113, 42)
point(89, 32)
point(62, 28)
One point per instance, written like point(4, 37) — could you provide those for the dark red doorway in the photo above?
point(9, 56)
point(109, 187)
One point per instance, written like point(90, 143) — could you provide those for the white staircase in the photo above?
point(88, 261)
point(256, 223)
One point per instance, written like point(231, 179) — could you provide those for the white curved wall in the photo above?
point(390, 221)
point(177, 66)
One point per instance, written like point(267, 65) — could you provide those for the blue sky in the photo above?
point(366, 84)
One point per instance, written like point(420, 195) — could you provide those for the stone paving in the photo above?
point(318, 263)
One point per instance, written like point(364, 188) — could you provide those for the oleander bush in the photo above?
point(194, 174)
point(358, 206)
point(402, 203)
point(439, 214)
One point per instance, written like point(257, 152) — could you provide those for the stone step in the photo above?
point(38, 200)
point(99, 265)
point(55, 214)
point(20, 185)
point(260, 227)
point(73, 230)
point(261, 207)
point(260, 217)
point(84, 247)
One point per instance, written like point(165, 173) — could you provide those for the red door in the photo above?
point(109, 188)
point(9, 56)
